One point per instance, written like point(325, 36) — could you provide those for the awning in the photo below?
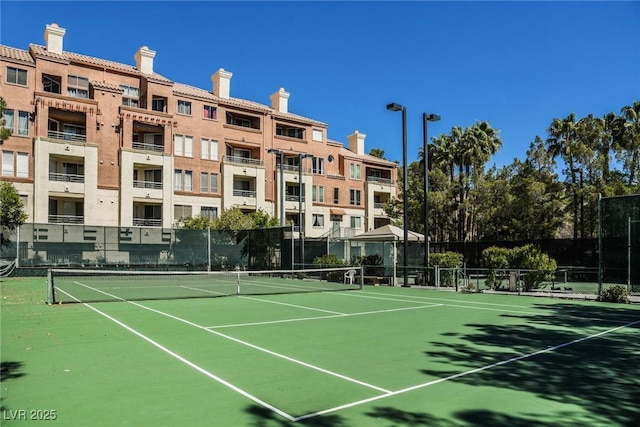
point(339, 212)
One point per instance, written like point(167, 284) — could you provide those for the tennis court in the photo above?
point(378, 356)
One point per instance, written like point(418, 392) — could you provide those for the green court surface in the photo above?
point(379, 356)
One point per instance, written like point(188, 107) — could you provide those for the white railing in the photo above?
point(147, 222)
point(147, 184)
point(66, 219)
point(67, 136)
point(292, 198)
point(147, 147)
point(379, 179)
point(243, 160)
point(244, 193)
point(66, 177)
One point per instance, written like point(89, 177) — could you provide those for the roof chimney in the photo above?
point(53, 36)
point(144, 60)
point(221, 80)
point(356, 142)
point(280, 101)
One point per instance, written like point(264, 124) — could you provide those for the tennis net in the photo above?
point(79, 285)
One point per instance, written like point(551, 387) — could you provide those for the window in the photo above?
point(17, 76)
point(22, 165)
point(78, 87)
point(210, 112)
point(130, 96)
point(8, 120)
point(183, 145)
point(318, 166)
point(318, 220)
point(336, 195)
point(184, 107)
point(317, 135)
point(354, 197)
point(208, 182)
point(19, 169)
point(9, 117)
point(158, 104)
point(242, 120)
point(317, 193)
point(177, 179)
point(7, 163)
point(354, 171)
point(209, 149)
point(188, 181)
point(51, 84)
point(356, 222)
point(183, 180)
point(209, 212)
point(291, 132)
point(181, 211)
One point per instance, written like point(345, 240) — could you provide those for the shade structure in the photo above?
point(389, 233)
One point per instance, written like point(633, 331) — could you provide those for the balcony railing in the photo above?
point(66, 219)
point(244, 193)
point(243, 160)
point(65, 177)
point(147, 222)
point(293, 198)
point(147, 184)
point(379, 179)
point(378, 205)
point(67, 136)
point(147, 147)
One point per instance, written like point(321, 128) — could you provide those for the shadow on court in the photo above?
point(600, 375)
point(9, 371)
point(267, 418)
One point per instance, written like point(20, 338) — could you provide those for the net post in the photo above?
point(51, 296)
point(599, 245)
point(361, 284)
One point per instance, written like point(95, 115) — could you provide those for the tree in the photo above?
point(4, 132)
point(12, 214)
point(377, 152)
point(628, 142)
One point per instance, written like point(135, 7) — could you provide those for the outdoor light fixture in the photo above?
point(405, 180)
point(301, 230)
point(425, 152)
point(280, 154)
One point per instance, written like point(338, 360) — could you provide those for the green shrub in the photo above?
point(530, 257)
point(615, 293)
point(447, 260)
point(329, 261)
point(495, 259)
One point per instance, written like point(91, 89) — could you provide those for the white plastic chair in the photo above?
point(349, 275)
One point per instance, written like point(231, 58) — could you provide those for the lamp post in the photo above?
point(405, 182)
point(425, 154)
point(300, 188)
point(280, 154)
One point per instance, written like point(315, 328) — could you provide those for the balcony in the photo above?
point(244, 193)
point(147, 222)
point(67, 136)
point(66, 177)
point(293, 198)
point(147, 147)
point(147, 184)
point(380, 180)
point(66, 219)
point(243, 160)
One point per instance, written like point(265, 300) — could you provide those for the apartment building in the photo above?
point(102, 143)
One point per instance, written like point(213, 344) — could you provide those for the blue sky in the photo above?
point(515, 64)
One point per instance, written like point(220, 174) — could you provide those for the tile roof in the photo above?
point(183, 89)
point(17, 55)
point(92, 61)
point(366, 158)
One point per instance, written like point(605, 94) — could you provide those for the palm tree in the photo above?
point(628, 141)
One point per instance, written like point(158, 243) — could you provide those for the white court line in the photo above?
point(462, 374)
point(300, 319)
point(469, 305)
point(239, 341)
point(187, 362)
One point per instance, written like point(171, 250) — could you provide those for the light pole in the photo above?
point(300, 188)
point(405, 182)
point(425, 154)
point(280, 154)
